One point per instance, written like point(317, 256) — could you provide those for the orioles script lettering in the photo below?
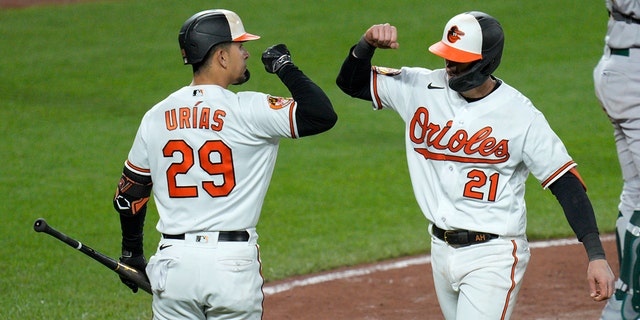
point(460, 146)
point(194, 117)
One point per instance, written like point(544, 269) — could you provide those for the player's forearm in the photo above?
point(355, 73)
point(133, 231)
point(314, 113)
point(130, 201)
point(593, 246)
point(579, 213)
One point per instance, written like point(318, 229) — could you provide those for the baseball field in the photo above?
point(77, 76)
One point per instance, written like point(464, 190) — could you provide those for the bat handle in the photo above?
point(41, 225)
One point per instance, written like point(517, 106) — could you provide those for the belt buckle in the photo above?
point(446, 233)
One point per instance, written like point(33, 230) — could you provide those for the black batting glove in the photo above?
point(136, 261)
point(275, 57)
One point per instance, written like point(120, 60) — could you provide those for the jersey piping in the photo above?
point(377, 103)
point(512, 277)
point(138, 170)
point(568, 166)
point(292, 122)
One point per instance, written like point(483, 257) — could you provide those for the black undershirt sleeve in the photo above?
point(314, 113)
point(355, 73)
point(577, 207)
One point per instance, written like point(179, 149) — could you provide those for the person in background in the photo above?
point(617, 87)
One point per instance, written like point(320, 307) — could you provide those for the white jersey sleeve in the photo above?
point(544, 153)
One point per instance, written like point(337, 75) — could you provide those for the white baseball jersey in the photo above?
point(227, 142)
point(469, 161)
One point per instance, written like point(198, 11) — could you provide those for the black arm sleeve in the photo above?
point(577, 207)
point(314, 113)
point(133, 232)
point(355, 73)
point(130, 201)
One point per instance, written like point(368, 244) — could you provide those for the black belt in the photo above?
point(461, 238)
point(623, 17)
point(236, 236)
point(620, 52)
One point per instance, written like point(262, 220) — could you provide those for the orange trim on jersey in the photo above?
point(261, 276)
point(447, 157)
point(556, 174)
point(513, 280)
point(292, 125)
point(374, 79)
point(141, 170)
point(575, 173)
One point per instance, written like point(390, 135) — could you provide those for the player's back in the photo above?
point(211, 155)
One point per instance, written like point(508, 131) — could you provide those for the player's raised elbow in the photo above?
point(353, 89)
point(329, 121)
point(316, 120)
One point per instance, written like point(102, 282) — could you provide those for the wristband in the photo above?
point(363, 50)
point(592, 244)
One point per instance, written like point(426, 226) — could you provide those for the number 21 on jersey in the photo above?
point(480, 186)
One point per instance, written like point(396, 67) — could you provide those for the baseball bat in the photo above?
point(120, 268)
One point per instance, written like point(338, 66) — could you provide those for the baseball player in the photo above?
point(617, 79)
point(209, 154)
point(471, 142)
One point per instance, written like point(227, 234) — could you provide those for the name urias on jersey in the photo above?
point(194, 117)
point(479, 147)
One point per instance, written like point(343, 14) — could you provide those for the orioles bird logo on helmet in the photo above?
point(454, 34)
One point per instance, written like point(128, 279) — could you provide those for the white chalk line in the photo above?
point(398, 264)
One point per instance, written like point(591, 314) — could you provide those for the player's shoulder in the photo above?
point(403, 71)
point(253, 101)
point(513, 95)
point(513, 100)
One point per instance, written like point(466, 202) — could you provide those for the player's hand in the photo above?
point(136, 261)
point(383, 36)
point(275, 57)
point(601, 280)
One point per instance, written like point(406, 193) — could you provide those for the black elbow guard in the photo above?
point(132, 194)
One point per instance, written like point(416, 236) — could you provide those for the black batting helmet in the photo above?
point(207, 28)
point(471, 37)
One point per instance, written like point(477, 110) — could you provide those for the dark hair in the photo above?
point(206, 60)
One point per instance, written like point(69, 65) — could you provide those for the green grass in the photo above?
point(76, 79)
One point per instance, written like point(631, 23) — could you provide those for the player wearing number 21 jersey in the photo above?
point(471, 142)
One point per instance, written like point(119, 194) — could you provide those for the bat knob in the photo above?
point(40, 225)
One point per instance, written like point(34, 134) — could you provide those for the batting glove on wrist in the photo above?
point(275, 57)
point(136, 261)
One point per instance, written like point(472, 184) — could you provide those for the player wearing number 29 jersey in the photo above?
point(471, 141)
point(208, 154)
point(211, 153)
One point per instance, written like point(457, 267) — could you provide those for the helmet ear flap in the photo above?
point(472, 78)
